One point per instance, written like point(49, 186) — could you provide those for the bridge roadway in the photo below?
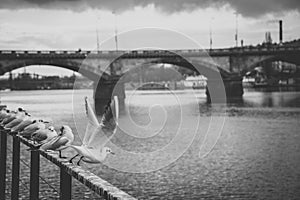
point(236, 51)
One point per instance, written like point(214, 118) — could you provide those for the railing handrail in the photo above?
point(90, 180)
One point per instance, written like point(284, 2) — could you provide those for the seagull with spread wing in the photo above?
point(97, 134)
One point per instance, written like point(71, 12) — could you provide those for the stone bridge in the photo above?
point(106, 67)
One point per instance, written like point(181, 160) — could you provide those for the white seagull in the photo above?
point(93, 148)
point(60, 142)
point(20, 127)
point(17, 121)
point(13, 115)
point(33, 127)
point(8, 118)
point(43, 136)
point(4, 113)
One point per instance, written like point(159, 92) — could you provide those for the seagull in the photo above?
point(23, 124)
point(60, 142)
point(4, 113)
point(93, 148)
point(9, 115)
point(17, 121)
point(33, 127)
point(44, 135)
point(20, 112)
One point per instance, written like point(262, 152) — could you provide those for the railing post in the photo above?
point(65, 185)
point(34, 174)
point(15, 168)
point(3, 153)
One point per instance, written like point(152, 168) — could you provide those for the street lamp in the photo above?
point(210, 33)
point(97, 34)
point(236, 29)
point(116, 31)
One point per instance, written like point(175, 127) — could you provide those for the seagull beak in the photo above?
point(112, 153)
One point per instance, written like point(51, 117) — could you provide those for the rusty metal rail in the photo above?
point(67, 172)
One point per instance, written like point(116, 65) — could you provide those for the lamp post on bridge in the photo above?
point(210, 33)
point(236, 29)
point(97, 34)
point(116, 31)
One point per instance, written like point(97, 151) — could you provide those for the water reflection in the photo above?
point(257, 156)
point(271, 99)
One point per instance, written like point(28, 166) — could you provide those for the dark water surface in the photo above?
point(256, 157)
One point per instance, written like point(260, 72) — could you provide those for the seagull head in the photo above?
point(43, 121)
point(21, 110)
point(51, 128)
point(67, 132)
point(107, 151)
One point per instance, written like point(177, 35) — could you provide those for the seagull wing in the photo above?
point(107, 128)
point(55, 143)
point(22, 126)
point(40, 135)
point(29, 130)
point(93, 123)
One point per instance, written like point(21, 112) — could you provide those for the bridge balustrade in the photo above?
point(188, 52)
point(19, 52)
point(6, 52)
point(32, 52)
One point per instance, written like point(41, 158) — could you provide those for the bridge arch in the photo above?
point(284, 58)
point(203, 65)
point(70, 65)
point(217, 87)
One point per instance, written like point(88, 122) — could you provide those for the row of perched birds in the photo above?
point(46, 138)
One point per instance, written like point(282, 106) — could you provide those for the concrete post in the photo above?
point(233, 88)
point(104, 92)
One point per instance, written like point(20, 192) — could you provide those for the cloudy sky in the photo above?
point(72, 24)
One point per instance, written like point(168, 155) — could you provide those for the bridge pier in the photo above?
point(104, 91)
point(233, 89)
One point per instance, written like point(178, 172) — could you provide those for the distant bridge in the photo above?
point(91, 63)
point(229, 63)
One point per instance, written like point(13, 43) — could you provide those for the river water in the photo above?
point(256, 156)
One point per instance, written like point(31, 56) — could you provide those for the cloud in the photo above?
point(248, 8)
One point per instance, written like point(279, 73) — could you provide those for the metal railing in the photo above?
point(67, 172)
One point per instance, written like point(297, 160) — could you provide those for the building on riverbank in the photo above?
point(32, 81)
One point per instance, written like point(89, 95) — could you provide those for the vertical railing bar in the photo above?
point(65, 185)
point(3, 156)
point(34, 175)
point(15, 168)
